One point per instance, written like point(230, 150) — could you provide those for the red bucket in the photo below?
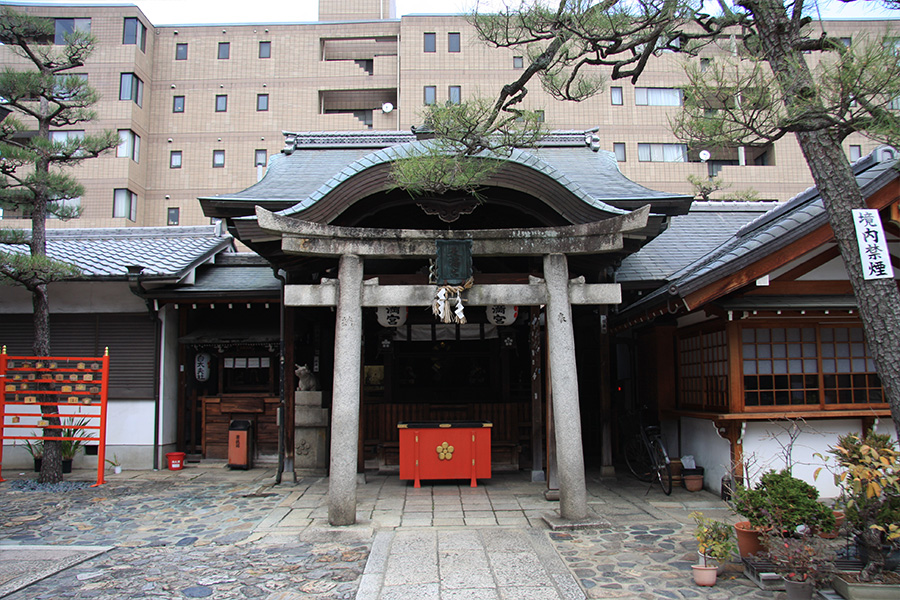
point(176, 460)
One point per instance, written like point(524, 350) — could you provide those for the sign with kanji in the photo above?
point(454, 261)
point(873, 249)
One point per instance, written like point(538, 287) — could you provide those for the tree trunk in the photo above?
point(879, 299)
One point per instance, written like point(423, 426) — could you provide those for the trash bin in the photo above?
point(176, 460)
point(240, 442)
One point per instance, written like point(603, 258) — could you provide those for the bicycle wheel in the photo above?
point(662, 471)
point(638, 460)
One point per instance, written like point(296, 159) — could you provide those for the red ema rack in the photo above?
point(46, 381)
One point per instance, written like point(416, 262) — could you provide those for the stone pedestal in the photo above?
point(310, 434)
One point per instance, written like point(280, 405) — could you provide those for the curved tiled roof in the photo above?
point(164, 252)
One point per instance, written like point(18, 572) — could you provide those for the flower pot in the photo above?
point(748, 539)
point(67, 465)
point(705, 575)
point(851, 590)
point(839, 518)
point(891, 556)
point(117, 469)
point(709, 561)
point(693, 483)
point(798, 590)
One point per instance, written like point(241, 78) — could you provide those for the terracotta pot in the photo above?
point(693, 483)
point(798, 590)
point(838, 522)
point(704, 575)
point(748, 539)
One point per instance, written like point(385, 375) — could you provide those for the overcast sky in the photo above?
point(179, 12)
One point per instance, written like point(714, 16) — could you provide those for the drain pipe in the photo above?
point(280, 276)
point(137, 288)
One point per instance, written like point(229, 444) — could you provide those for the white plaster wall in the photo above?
point(764, 445)
point(699, 439)
point(76, 297)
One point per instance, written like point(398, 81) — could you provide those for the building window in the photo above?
point(855, 153)
point(540, 115)
point(704, 64)
point(783, 367)
point(847, 41)
point(173, 216)
point(65, 27)
point(131, 88)
point(70, 206)
point(518, 62)
point(124, 204)
point(262, 102)
point(265, 49)
point(657, 96)
point(430, 94)
point(224, 50)
point(135, 33)
point(260, 158)
point(180, 51)
point(619, 150)
point(662, 152)
point(453, 42)
point(455, 94)
point(221, 103)
point(63, 137)
point(129, 145)
point(175, 159)
point(178, 104)
point(430, 42)
point(218, 159)
point(615, 94)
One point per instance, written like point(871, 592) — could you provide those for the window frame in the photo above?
point(450, 93)
point(134, 90)
point(432, 89)
point(624, 154)
point(262, 102)
point(59, 36)
point(130, 204)
point(651, 96)
point(138, 37)
point(221, 103)
point(429, 42)
point(454, 42)
point(268, 46)
point(256, 155)
point(172, 155)
point(169, 212)
point(617, 96)
point(518, 62)
point(653, 148)
point(175, 104)
point(129, 145)
point(226, 55)
point(216, 162)
point(181, 46)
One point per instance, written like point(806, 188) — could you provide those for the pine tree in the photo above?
point(41, 96)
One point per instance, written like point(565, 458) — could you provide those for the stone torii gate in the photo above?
point(350, 293)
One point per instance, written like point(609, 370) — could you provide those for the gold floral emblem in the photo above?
point(445, 451)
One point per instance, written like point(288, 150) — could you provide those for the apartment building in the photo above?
point(201, 108)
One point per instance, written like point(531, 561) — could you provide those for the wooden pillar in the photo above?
point(606, 455)
point(537, 408)
point(345, 402)
point(564, 378)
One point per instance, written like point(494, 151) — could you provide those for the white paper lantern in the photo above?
point(502, 314)
point(391, 316)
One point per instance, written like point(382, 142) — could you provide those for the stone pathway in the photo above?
point(211, 533)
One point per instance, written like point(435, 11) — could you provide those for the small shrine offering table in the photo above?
point(445, 450)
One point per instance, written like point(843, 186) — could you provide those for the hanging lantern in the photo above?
point(202, 366)
point(502, 314)
point(391, 316)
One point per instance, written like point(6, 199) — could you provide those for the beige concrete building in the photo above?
point(202, 107)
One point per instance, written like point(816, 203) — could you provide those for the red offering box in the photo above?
point(445, 450)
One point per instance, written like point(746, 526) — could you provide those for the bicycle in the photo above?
point(646, 457)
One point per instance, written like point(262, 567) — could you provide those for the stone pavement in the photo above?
point(206, 532)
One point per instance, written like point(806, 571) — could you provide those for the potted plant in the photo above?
point(869, 479)
point(779, 502)
point(69, 448)
point(715, 546)
point(115, 464)
point(804, 559)
point(36, 450)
